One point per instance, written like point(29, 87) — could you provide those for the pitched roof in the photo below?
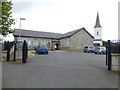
point(97, 21)
point(70, 33)
point(29, 33)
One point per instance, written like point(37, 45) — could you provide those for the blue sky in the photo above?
point(61, 16)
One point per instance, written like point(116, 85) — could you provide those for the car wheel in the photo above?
point(90, 51)
point(102, 52)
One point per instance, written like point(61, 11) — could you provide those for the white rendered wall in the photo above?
point(99, 30)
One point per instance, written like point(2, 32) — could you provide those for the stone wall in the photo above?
point(0, 66)
point(79, 40)
point(34, 42)
point(64, 42)
point(0, 52)
point(65, 48)
point(115, 62)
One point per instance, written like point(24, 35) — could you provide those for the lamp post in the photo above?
point(20, 27)
point(20, 36)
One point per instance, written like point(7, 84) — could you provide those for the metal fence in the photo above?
point(111, 48)
point(115, 48)
point(9, 46)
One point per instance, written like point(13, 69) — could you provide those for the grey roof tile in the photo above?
point(30, 33)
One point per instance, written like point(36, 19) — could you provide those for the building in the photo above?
point(97, 32)
point(75, 40)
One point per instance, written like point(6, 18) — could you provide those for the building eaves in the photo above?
point(40, 34)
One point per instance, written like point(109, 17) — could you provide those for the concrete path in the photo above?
point(60, 70)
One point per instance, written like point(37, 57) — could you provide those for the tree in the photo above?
point(6, 19)
point(96, 44)
point(104, 43)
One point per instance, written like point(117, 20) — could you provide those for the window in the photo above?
point(35, 43)
point(48, 44)
point(29, 41)
point(97, 33)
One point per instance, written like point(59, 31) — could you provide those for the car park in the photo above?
point(100, 50)
point(89, 49)
point(42, 49)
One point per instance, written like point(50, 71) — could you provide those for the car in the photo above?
point(100, 50)
point(41, 49)
point(89, 49)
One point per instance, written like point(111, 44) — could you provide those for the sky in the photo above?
point(62, 16)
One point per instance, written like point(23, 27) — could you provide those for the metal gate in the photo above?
point(112, 48)
point(14, 47)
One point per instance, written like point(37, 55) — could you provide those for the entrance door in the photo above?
point(57, 46)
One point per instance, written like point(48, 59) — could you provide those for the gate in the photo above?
point(112, 49)
point(13, 47)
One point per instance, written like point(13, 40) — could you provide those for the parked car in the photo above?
point(89, 49)
point(42, 49)
point(100, 50)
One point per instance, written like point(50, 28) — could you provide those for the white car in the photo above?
point(100, 50)
point(89, 49)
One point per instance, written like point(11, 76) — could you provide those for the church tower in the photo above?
point(97, 32)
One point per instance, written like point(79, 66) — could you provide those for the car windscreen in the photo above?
point(97, 48)
point(91, 47)
point(86, 47)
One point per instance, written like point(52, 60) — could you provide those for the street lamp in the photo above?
point(20, 27)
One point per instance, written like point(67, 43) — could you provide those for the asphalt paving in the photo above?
point(60, 70)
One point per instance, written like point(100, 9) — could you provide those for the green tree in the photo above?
point(104, 43)
point(6, 19)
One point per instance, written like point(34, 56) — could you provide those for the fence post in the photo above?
point(5, 43)
point(109, 55)
point(106, 55)
point(24, 54)
point(8, 51)
point(26, 50)
point(1, 53)
point(14, 59)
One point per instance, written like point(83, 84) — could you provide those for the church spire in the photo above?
point(97, 21)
